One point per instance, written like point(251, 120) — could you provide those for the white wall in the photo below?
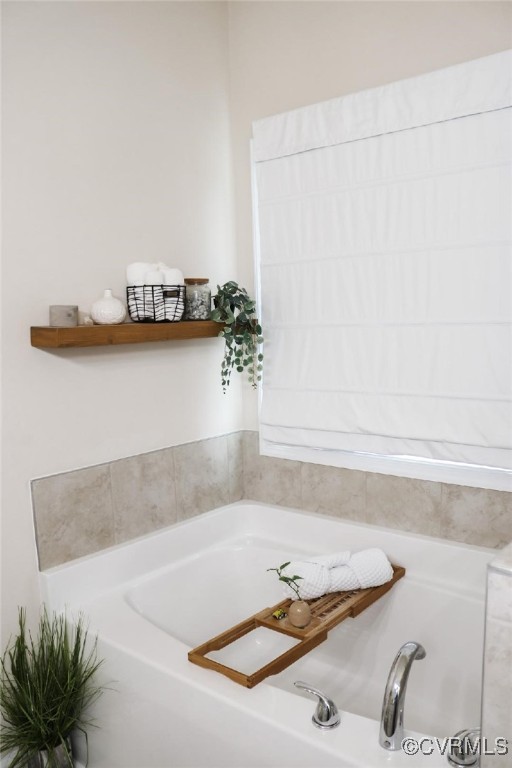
point(285, 55)
point(115, 149)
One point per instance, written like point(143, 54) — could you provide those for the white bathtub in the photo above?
point(153, 599)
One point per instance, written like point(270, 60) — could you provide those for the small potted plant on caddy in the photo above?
point(299, 612)
point(46, 687)
point(241, 332)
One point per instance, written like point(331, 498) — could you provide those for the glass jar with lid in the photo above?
point(198, 298)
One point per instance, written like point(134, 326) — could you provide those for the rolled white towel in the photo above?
point(331, 561)
point(368, 568)
point(343, 579)
point(314, 582)
point(135, 272)
point(372, 567)
point(154, 277)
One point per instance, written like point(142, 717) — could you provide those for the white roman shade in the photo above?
point(384, 229)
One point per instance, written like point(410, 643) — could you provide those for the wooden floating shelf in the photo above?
point(327, 612)
point(48, 337)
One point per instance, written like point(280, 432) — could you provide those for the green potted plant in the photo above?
point(241, 332)
point(299, 612)
point(46, 687)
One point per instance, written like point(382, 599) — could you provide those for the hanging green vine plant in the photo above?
point(242, 333)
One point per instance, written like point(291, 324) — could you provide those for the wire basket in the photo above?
point(156, 303)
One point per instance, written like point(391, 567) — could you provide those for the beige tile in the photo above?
point(235, 466)
point(497, 684)
point(143, 494)
point(503, 560)
point(73, 514)
point(477, 515)
point(274, 481)
point(496, 701)
point(202, 476)
point(334, 491)
point(499, 596)
point(404, 503)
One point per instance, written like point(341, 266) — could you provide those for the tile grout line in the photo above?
point(112, 504)
point(174, 484)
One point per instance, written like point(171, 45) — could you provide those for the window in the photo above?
point(384, 235)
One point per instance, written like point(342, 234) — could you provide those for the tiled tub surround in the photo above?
point(469, 515)
point(84, 511)
point(497, 692)
point(80, 512)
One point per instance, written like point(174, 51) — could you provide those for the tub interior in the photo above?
point(202, 595)
point(254, 650)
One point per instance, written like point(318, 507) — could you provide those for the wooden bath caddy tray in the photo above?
point(327, 612)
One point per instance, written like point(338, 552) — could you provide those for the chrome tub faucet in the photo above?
point(392, 720)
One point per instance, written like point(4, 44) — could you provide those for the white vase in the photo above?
point(62, 757)
point(108, 310)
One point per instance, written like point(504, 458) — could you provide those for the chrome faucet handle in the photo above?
point(326, 714)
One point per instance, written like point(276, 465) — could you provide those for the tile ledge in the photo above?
point(503, 562)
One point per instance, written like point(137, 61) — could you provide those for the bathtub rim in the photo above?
point(84, 577)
